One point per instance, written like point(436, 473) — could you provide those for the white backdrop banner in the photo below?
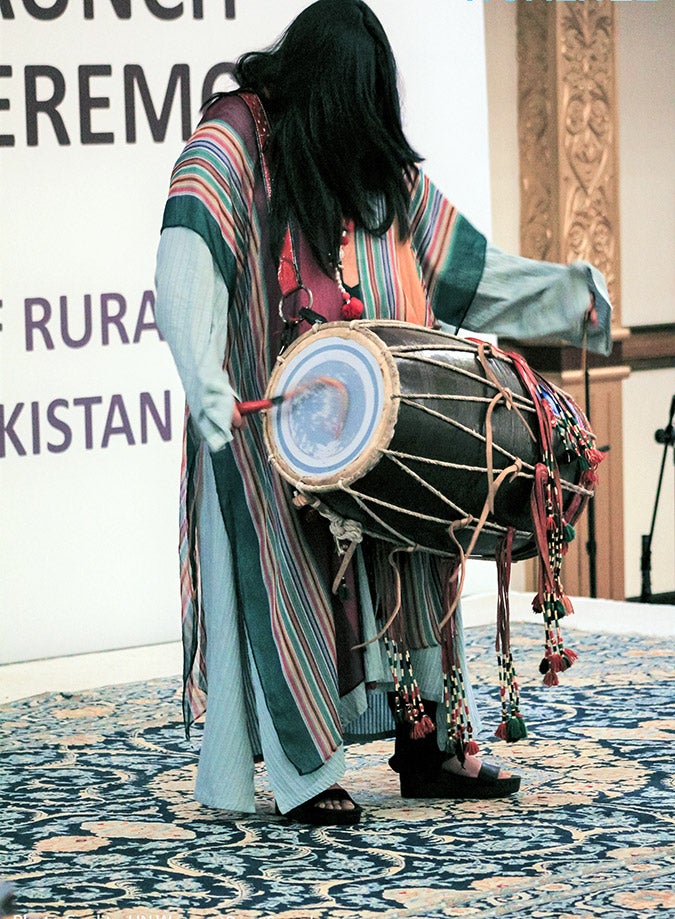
point(96, 100)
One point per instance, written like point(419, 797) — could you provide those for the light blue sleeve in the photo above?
point(527, 299)
point(191, 313)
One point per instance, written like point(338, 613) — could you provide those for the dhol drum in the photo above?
point(397, 427)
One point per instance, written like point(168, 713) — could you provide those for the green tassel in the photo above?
point(569, 533)
point(560, 609)
point(516, 729)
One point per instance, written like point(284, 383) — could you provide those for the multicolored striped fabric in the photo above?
point(285, 602)
point(193, 627)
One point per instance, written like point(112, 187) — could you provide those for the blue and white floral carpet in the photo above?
point(97, 818)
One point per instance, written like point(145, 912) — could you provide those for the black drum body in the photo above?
point(402, 437)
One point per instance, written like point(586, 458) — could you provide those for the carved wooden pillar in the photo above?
point(568, 136)
point(569, 210)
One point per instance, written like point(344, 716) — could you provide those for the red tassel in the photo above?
point(427, 725)
point(471, 748)
point(568, 658)
point(421, 728)
point(589, 478)
point(537, 603)
point(569, 609)
point(501, 731)
point(352, 309)
point(555, 662)
point(594, 457)
point(551, 678)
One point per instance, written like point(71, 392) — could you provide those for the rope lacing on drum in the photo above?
point(344, 530)
point(455, 397)
point(464, 556)
point(506, 395)
point(462, 371)
point(397, 605)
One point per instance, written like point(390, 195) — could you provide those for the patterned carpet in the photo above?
point(97, 818)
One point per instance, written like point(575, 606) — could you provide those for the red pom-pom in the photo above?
point(352, 309)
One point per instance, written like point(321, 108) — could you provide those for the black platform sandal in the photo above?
point(419, 763)
point(309, 812)
point(445, 784)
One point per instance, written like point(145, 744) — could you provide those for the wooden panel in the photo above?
point(606, 421)
point(650, 347)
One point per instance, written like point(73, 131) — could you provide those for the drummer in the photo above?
point(338, 206)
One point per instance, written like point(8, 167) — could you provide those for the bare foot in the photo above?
point(470, 767)
point(336, 803)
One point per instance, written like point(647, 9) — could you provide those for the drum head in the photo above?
point(340, 410)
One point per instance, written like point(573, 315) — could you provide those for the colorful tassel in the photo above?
point(593, 456)
point(567, 604)
point(422, 727)
point(589, 478)
point(569, 533)
point(352, 307)
point(516, 729)
point(555, 662)
point(408, 704)
point(568, 658)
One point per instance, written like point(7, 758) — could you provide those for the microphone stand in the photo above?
point(665, 436)
point(591, 544)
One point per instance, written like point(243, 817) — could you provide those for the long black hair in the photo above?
point(337, 148)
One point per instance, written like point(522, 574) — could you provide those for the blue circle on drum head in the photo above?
point(333, 418)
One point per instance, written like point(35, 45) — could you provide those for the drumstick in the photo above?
point(259, 405)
